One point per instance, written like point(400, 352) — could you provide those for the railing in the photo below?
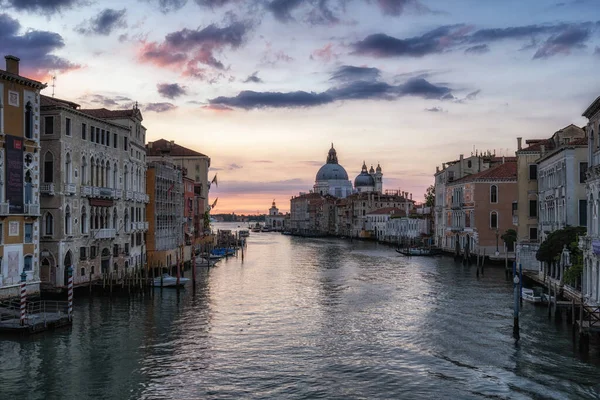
point(69, 188)
point(104, 233)
point(128, 195)
point(31, 209)
point(5, 208)
point(145, 226)
point(35, 311)
point(96, 191)
point(86, 190)
point(47, 188)
point(118, 193)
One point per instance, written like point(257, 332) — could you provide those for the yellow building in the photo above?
point(19, 179)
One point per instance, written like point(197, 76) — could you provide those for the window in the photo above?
point(1, 233)
point(583, 166)
point(582, 212)
point(28, 265)
point(84, 220)
point(115, 140)
point(49, 125)
point(93, 252)
point(533, 233)
point(108, 138)
point(494, 220)
point(493, 194)
point(68, 221)
point(84, 131)
point(49, 225)
point(115, 250)
point(125, 143)
point(68, 126)
point(532, 171)
point(102, 134)
point(48, 168)
point(127, 249)
point(82, 271)
point(28, 233)
point(83, 253)
point(469, 164)
point(28, 121)
point(92, 134)
point(533, 208)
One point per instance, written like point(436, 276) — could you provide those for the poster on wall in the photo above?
point(14, 174)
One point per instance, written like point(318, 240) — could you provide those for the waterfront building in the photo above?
point(401, 228)
point(93, 193)
point(591, 242)
point(312, 214)
point(275, 220)
point(188, 218)
point(479, 208)
point(377, 221)
point(195, 163)
point(19, 179)
point(165, 214)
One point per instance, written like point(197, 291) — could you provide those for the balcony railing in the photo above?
point(31, 209)
point(86, 191)
point(69, 188)
point(4, 208)
point(145, 226)
point(128, 195)
point(104, 233)
point(47, 188)
point(118, 193)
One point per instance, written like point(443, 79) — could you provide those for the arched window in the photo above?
point(84, 220)
point(108, 175)
point(115, 219)
point(126, 221)
point(49, 225)
point(68, 220)
point(28, 121)
point(469, 164)
point(493, 194)
point(28, 188)
point(92, 180)
point(68, 168)
point(125, 179)
point(48, 168)
point(83, 171)
point(115, 175)
point(28, 264)
point(494, 220)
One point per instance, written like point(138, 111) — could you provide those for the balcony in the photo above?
point(104, 233)
point(69, 188)
point(128, 195)
point(4, 208)
point(47, 188)
point(146, 198)
point(118, 193)
point(31, 209)
point(86, 191)
point(145, 226)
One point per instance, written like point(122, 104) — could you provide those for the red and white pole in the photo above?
point(70, 293)
point(23, 297)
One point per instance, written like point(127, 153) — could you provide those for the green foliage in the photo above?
point(430, 196)
point(509, 237)
point(552, 247)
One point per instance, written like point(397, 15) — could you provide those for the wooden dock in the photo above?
point(41, 315)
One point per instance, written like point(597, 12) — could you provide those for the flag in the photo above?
point(214, 180)
point(214, 203)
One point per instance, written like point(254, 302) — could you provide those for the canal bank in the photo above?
point(306, 318)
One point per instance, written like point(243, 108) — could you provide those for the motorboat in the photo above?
point(266, 229)
point(256, 228)
point(203, 262)
point(167, 280)
point(243, 233)
point(531, 295)
point(416, 251)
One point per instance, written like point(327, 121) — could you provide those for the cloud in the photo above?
point(35, 49)
point(325, 53)
point(597, 51)
point(234, 166)
point(564, 43)
point(347, 73)
point(283, 186)
point(253, 78)
point(166, 6)
point(398, 7)
point(262, 161)
point(314, 12)
point(273, 57)
point(217, 108)
point(104, 23)
point(477, 49)
point(159, 107)
point(473, 95)
point(359, 90)
point(185, 50)
point(435, 109)
point(41, 6)
point(107, 100)
point(171, 90)
point(213, 3)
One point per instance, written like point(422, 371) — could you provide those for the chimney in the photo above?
point(519, 143)
point(502, 159)
point(172, 143)
point(12, 64)
point(543, 149)
point(437, 168)
point(149, 145)
point(411, 196)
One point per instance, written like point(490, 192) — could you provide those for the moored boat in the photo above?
point(417, 251)
point(532, 295)
point(167, 280)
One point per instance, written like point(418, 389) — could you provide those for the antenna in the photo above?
point(53, 84)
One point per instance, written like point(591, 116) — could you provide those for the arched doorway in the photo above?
point(105, 260)
point(67, 264)
point(47, 273)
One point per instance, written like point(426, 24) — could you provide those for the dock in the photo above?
point(40, 316)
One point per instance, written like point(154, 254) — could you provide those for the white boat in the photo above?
point(203, 262)
point(168, 281)
point(531, 295)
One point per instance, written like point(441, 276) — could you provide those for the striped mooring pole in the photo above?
point(70, 295)
point(23, 297)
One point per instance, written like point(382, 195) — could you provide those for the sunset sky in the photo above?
point(264, 87)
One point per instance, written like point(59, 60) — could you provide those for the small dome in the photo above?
point(378, 169)
point(332, 172)
point(364, 179)
point(371, 171)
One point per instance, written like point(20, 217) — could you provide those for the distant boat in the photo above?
point(168, 281)
point(286, 233)
point(203, 262)
point(417, 251)
point(266, 229)
point(243, 233)
point(256, 228)
point(532, 295)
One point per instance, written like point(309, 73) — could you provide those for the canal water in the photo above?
point(305, 319)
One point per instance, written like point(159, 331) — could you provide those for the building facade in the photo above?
point(93, 192)
point(275, 220)
point(377, 221)
point(19, 180)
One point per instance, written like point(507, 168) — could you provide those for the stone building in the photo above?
point(312, 214)
point(479, 208)
point(93, 193)
point(377, 221)
point(275, 220)
point(19, 179)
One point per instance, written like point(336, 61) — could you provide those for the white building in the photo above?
point(275, 220)
point(377, 221)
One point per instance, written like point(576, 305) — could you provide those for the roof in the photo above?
point(387, 211)
point(162, 146)
point(104, 113)
point(536, 145)
point(46, 101)
point(505, 159)
point(592, 109)
point(506, 171)
point(578, 142)
point(21, 79)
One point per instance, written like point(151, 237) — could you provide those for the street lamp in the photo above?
point(497, 236)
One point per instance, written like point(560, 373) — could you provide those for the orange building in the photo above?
point(19, 179)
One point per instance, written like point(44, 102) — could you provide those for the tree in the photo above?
point(509, 237)
point(552, 247)
point(430, 196)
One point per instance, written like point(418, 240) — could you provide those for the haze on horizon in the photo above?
point(264, 87)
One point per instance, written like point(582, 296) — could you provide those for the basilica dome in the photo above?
point(332, 170)
point(364, 179)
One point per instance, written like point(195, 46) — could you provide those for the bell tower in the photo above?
point(378, 179)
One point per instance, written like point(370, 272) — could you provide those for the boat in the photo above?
point(266, 229)
point(243, 233)
point(531, 295)
point(256, 228)
point(167, 280)
point(203, 262)
point(417, 251)
point(286, 233)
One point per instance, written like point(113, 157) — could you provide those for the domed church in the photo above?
point(332, 179)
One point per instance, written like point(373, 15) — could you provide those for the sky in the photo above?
point(263, 87)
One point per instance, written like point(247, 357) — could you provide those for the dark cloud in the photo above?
point(171, 90)
point(398, 7)
point(213, 3)
point(282, 9)
point(515, 32)
point(159, 107)
point(186, 49)
point(359, 90)
point(108, 100)
point(435, 109)
point(41, 6)
point(253, 78)
point(167, 6)
point(347, 73)
point(34, 48)
point(234, 166)
point(104, 23)
point(477, 49)
point(314, 12)
point(597, 51)
point(564, 43)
